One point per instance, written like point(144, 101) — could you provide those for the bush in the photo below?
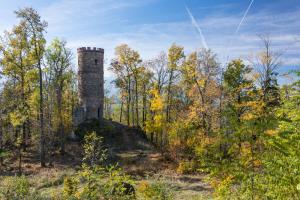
point(97, 180)
point(119, 185)
point(157, 190)
point(16, 188)
point(94, 151)
point(91, 179)
point(70, 187)
point(99, 183)
point(187, 167)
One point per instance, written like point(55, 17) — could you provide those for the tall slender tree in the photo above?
point(267, 63)
point(126, 66)
point(35, 29)
point(18, 66)
point(59, 59)
point(175, 56)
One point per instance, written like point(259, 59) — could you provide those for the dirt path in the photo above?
point(151, 166)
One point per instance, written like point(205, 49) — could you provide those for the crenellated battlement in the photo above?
point(89, 49)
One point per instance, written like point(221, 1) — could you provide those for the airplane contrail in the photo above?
point(245, 14)
point(238, 28)
point(195, 24)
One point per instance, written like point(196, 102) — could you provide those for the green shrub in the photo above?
point(94, 150)
point(70, 187)
point(119, 185)
point(187, 167)
point(91, 178)
point(157, 190)
point(17, 188)
point(14, 188)
point(98, 181)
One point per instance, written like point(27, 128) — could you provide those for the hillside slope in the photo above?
point(126, 146)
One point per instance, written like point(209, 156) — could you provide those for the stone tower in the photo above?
point(90, 84)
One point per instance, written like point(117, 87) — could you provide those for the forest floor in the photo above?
point(132, 151)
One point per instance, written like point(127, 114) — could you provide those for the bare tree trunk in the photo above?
point(144, 104)
point(121, 112)
point(252, 166)
point(128, 101)
point(52, 142)
point(169, 96)
point(24, 145)
point(28, 129)
point(60, 118)
point(151, 116)
point(136, 102)
point(152, 137)
point(132, 112)
point(41, 115)
point(161, 139)
point(1, 142)
point(23, 107)
point(20, 160)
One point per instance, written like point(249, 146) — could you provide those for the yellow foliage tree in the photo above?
point(156, 122)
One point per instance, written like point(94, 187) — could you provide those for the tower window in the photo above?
point(96, 62)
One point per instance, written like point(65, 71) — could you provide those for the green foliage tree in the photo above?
point(281, 158)
point(237, 88)
point(35, 29)
point(17, 65)
point(175, 57)
point(126, 66)
point(94, 151)
point(59, 59)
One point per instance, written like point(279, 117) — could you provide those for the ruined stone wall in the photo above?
point(90, 82)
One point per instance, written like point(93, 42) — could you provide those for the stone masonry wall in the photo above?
point(90, 82)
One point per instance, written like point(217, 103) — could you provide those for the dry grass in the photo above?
point(133, 153)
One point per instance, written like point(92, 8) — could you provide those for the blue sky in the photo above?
point(151, 26)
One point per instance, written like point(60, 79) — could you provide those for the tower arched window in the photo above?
point(96, 62)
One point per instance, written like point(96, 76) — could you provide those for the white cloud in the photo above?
point(82, 23)
point(78, 15)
